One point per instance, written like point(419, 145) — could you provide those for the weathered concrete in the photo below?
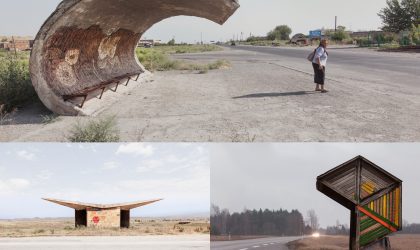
point(102, 216)
point(88, 43)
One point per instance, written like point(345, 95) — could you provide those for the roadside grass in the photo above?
point(101, 130)
point(158, 58)
point(182, 49)
point(268, 43)
point(15, 82)
point(48, 119)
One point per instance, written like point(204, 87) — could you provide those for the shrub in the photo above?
point(39, 231)
point(102, 130)
point(15, 83)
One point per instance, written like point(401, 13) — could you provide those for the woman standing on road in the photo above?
point(319, 63)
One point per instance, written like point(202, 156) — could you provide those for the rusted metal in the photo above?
point(86, 43)
point(371, 194)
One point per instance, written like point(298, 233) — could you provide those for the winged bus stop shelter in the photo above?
point(102, 216)
point(373, 196)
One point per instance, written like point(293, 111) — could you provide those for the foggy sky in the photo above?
point(255, 16)
point(275, 176)
point(105, 174)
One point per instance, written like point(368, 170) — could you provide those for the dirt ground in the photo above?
point(398, 242)
point(235, 237)
point(65, 227)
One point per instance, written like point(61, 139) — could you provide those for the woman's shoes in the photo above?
point(317, 89)
point(324, 91)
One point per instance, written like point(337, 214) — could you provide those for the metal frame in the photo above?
point(103, 86)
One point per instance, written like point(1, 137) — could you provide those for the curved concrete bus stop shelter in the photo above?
point(87, 47)
point(102, 216)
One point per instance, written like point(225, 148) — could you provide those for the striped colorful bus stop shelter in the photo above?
point(373, 195)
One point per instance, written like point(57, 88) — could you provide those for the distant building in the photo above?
point(4, 45)
point(20, 45)
point(149, 42)
point(102, 216)
point(364, 34)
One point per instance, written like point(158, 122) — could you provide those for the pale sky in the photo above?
point(105, 174)
point(25, 17)
point(274, 176)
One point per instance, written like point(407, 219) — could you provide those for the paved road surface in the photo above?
point(355, 59)
point(278, 243)
point(267, 95)
point(107, 243)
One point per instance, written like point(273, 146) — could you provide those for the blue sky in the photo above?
point(277, 176)
point(103, 173)
point(256, 17)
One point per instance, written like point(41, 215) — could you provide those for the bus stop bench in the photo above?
point(103, 86)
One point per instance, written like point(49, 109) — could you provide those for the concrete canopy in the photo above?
point(89, 45)
point(84, 206)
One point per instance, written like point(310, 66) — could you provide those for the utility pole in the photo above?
point(201, 38)
point(335, 24)
point(14, 45)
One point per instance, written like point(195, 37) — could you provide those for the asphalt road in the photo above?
point(266, 95)
point(277, 243)
point(354, 59)
point(106, 243)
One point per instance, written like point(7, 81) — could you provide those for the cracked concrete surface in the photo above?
point(262, 98)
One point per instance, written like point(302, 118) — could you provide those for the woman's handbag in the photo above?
point(311, 56)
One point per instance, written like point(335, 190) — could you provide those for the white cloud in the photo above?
point(111, 165)
point(13, 185)
point(136, 149)
point(25, 155)
point(44, 175)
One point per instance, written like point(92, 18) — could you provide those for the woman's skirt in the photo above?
point(319, 74)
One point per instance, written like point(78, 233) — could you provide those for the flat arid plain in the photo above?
point(65, 227)
point(265, 95)
point(144, 234)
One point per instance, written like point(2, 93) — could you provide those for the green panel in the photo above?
point(374, 235)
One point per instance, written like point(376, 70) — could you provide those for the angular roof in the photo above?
point(83, 206)
point(356, 181)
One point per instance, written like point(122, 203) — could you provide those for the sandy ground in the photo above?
point(139, 227)
point(262, 98)
point(398, 242)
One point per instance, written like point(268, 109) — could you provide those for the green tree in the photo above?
point(400, 15)
point(341, 34)
point(172, 42)
point(415, 34)
point(281, 32)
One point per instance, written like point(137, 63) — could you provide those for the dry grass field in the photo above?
point(398, 242)
point(233, 237)
point(65, 227)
